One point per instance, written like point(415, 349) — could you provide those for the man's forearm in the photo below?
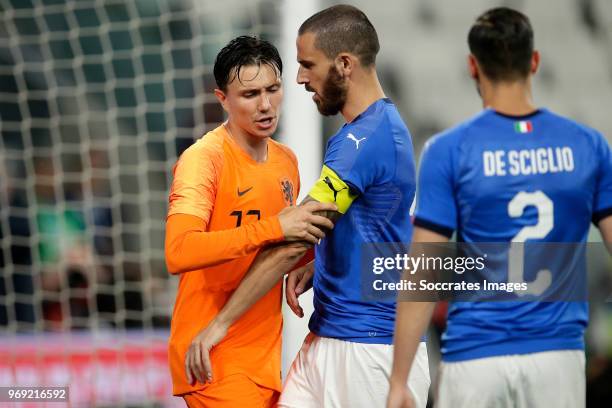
point(269, 266)
point(412, 318)
point(267, 269)
point(605, 229)
point(186, 235)
point(411, 322)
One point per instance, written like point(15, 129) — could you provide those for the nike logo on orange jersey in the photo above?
point(243, 192)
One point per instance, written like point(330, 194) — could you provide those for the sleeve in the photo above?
point(436, 209)
point(194, 186)
point(602, 205)
point(356, 158)
point(189, 246)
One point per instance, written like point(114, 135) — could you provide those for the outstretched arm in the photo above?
point(189, 243)
point(411, 321)
point(186, 235)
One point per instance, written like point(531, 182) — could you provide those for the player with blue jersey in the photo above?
point(369, 174)
point(382, 191)
point(512, 173)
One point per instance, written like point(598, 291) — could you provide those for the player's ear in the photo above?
point(222, 98)
point(535, 61)
point(473, 67)
point(345, 64)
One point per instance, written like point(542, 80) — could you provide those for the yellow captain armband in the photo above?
point(330, 188)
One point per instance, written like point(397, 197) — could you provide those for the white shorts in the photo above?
point(334, 373)
point(547, 379)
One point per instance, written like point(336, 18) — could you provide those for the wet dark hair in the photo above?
point(501, 39)
point(244, 51)
point(343, 28)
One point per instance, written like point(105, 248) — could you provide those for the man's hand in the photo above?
point(400, 397)
point(298, 282)
point(301, 224)
point(197, 359)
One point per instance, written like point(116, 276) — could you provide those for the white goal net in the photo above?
point(97, 100)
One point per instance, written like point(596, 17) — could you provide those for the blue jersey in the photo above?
point(499, 178)
point(373, 155)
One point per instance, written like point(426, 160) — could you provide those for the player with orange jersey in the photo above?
point(233, 193)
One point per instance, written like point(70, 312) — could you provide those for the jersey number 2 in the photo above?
point(545, 224)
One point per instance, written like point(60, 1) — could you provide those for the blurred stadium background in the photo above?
point(99, 97)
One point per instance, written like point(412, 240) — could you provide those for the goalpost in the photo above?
point(301, 130)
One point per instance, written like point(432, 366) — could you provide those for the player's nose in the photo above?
point(264, 103)
point(301, 77)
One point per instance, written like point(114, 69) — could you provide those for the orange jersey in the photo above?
point(223, 208)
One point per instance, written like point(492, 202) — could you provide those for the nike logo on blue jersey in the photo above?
point(354, 139)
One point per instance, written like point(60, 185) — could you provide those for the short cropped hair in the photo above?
point(501, 39)
point(244, 51)
point(343, 28)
